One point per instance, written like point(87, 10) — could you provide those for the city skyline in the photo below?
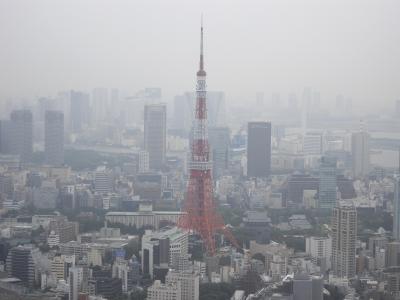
point(107, 192)
point(341, 47)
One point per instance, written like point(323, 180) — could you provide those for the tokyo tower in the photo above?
point(201, 216)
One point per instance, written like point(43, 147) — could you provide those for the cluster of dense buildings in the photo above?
point(279, 184)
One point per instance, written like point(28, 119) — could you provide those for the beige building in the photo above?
point(143, 218)
point(60, 266)
point(159, 291)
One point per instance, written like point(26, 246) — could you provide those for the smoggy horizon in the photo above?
point(334, 47)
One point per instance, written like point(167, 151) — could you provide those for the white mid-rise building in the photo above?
point(167, 245)
point(320, 250)
point(103, 180)
point(75, 282)
point(60, 266)
point(121, 270)
point(312, 144)
point(159, 291)
point(189, 282)
point(53, 239)
point(143, 161)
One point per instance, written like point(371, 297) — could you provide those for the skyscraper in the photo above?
point(344, 236)
point(79, 110)
point(99, 105)
point(183, 111)
point(219, 138)
point(259, 149)
point(155, 130)
point(22, 134)
point(216, 108)
point(54, 137)
point(360, 153)
point(396, 210)
point(5, 136)
point(327, 183)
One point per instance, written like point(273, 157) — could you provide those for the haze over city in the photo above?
point(335, 47)
point(208, 150)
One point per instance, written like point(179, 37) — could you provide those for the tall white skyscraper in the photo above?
point(344, 237)
point(360, 153)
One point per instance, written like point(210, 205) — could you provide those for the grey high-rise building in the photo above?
point(327, 183)
point(219, 139)
point(20, 263)
point(259, 149)
point(183, 112)
point(306, 287)
point(22, 134)
point(393, 254)
point(396, 210)
point(360, 153)
point(344, 237)
point(79, 110)
point(155, 130)
point(99, 105)
point(54, 137)
point(5, 136)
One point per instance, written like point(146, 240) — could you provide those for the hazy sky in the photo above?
point(334, 46)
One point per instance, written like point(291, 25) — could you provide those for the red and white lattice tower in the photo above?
point(201, 216)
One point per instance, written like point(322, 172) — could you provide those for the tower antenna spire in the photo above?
point(199, 207)
point(201, 46)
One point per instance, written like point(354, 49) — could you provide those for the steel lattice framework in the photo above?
point(201, 216)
